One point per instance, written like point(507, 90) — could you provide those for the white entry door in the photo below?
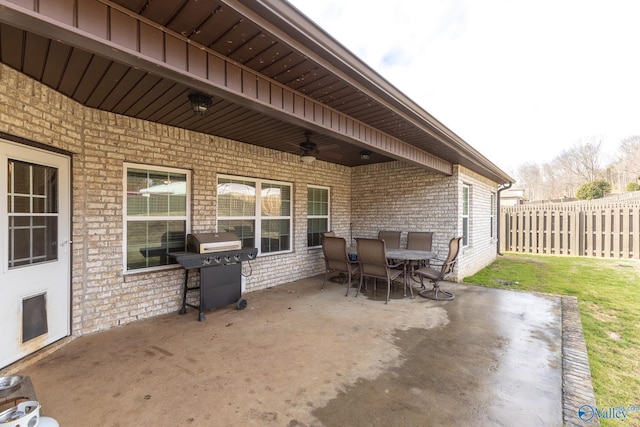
point(34, 250)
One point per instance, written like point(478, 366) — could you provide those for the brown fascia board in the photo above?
point(293, 28)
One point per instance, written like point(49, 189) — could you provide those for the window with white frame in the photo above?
point(465, 214)
point(156, 214)
point(257, 211)
point(492, 215)
point(317, 214)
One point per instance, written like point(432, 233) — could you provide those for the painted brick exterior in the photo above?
point(363, 200)
point(397, 196)
point(482, 247)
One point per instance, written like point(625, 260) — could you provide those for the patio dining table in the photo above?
point(405, 256)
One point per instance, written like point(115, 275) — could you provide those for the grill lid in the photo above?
point(213, 242)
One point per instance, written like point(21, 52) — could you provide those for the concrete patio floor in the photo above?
point(298, 356)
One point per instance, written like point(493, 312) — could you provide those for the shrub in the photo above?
point(593, 190)
point(633, 186)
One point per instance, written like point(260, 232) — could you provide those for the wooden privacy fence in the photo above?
point(596, 229)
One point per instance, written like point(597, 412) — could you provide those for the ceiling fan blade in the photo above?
point(331, 155)
point(329, 147)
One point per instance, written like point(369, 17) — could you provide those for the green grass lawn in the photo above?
point(608, 293)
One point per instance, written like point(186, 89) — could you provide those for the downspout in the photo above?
point(501, 188)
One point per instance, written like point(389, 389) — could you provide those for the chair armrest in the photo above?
point(395, 265)
point(437, 262)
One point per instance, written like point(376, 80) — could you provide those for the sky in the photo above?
point(518, 80)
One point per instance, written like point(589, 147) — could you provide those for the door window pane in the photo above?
point(32, 189)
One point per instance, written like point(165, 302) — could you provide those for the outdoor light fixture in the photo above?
point(307, 158)
point(365, 155)
point(200, 103)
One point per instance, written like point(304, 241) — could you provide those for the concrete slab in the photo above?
point(298, 356)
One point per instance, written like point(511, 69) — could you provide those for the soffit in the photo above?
point(268, 37)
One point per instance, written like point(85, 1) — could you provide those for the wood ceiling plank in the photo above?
point(190, 16)
point(166, 103)
point(107, 83)
point(219, 23)
point(151, 96)
point(76, 66)
point(36, 48)
point(125, 85)
point(12, 46)
point(234, 38)
point(56, 62)
point(250, 53)
point(96, 70)
point(141, 88)
point(161, 11)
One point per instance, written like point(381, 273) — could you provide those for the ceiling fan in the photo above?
point(310, 150)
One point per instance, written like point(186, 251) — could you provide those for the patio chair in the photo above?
point(420, 241)
point(391, 238)
point(436, 275)
point(336, 259)
point(372, 257)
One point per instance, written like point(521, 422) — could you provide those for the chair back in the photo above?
point(391, 238)
point(335, 253)
point(420, 240)
point(372, 256)
point(452, 257)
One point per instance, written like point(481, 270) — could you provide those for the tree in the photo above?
point(628, 164)
point(529, 178)
point(582, 160)
point(593, 190)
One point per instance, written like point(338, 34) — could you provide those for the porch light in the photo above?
point(365, 155)
point(200, 103)
point(307, 158)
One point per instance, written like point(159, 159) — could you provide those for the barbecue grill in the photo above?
point(218, 256)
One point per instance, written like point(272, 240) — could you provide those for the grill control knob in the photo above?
point(236, 257)
point(251, 255)
point(227, 258)
point(217, 260)
point(206, 261)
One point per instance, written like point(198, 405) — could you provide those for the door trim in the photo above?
point(46, 150)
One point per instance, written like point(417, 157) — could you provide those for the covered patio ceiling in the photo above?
point(272, 74)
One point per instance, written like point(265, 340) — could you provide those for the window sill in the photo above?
point(157, 269)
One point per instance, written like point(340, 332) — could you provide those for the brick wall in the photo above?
point(99, 142)
point(363, 200)
point(481, 250)
point(397, 196)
